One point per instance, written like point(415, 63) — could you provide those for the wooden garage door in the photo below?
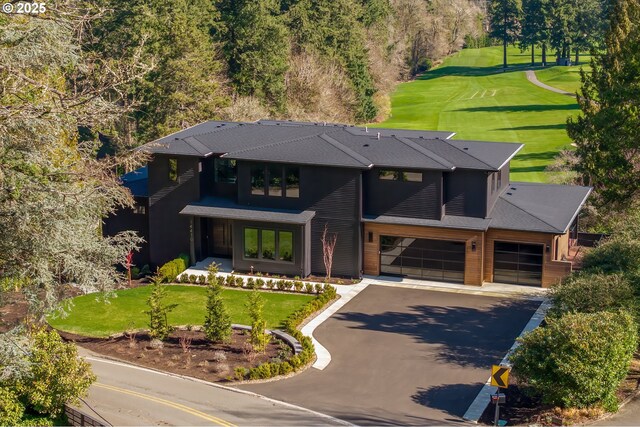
point(517, 263)
point(422, 258)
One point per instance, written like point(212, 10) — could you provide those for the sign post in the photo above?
point(500, 379)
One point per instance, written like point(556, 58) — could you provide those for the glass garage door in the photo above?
point(422, 258)
point(517, 263)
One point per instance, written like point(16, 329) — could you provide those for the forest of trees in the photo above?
point(564, 27)
point(329, 60)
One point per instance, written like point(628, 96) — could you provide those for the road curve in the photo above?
point(129, 395)
point(531, 76)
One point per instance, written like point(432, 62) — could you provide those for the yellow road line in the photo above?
point(175, 405)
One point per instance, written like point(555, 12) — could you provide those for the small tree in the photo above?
point(158, 323)
point(217, 322)
point(255, 305)
point(57, 374)
point(329, 241)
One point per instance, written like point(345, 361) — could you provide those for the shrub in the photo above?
point(11, 409)
point(239, 282)
point(158, 324)
point(217, 322)
point(308, 288)
point(240, 373)
point(193, 279)
point(251, 283)
point(271, 284)
point(298, 285)
point(285, 368)
point(261, 372)
point(614, 256)
point(135, 272)
point(219, 356)
point(57, 374)
point(145, 271)
point(288, 285)
point(169, 271)
point(318, 288)
point(231, 280)
point(221, 280)
point(590, 293)
point(328, 288)
point(259, 283)
point(259, 339)
point(577, 360)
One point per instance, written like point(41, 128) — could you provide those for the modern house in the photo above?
point(402, 202)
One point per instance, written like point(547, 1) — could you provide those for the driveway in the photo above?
point(405, 356)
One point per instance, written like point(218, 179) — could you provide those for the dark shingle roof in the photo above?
point(214, 207)
point(448, 221)
point(546, 208)
point(334, 145)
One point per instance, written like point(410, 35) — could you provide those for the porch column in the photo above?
point(192, 242)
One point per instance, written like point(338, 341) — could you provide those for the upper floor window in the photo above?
point(173, 169)
point(275, 181)
point(225, 171)
point(404, 176)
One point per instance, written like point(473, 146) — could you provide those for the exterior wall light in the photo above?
point(473, 246)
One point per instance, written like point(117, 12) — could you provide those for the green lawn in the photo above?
point(470, 94)
point(92, 317)
point(565, 78)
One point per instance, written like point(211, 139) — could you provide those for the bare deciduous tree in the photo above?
point(329, 241)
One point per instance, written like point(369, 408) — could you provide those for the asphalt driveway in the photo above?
point(405, 356)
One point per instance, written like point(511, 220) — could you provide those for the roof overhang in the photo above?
point(577, 212)
point(511, 157)
point(223, 210)
point(448, 221)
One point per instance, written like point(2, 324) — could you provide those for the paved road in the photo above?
point(405, 356)
point(125, 395)
point(531, 76)
point(629, 415)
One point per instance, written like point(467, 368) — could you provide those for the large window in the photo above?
point(225, 171)
point(173, 169)
point(257, 181)
point(405, 176)
point(282, 181)
point(268, 245)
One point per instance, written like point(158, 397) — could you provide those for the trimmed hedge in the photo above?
point(614, 256)
point(170, 271)
point(577, 360)
point(290, 324)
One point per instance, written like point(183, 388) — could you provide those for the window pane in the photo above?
point(257, 180)
point(293, 182)
point(412, 176)
point(173, 169)
point(268, 244)
point(225, 171)
point(251, 243)
point(285, 246)
point(275, 180)
point(388, 175)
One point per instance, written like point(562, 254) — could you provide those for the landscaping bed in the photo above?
point(187, 353)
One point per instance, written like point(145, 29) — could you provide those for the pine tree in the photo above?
point(158, 310)
point(256, 47)
point(505, 22)
point(607, 134)
point(217, 322)
point(535, 27)
point(255, 305)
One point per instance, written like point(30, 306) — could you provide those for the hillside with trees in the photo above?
point(321, 60)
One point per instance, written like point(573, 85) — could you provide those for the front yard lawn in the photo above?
point(92, 317)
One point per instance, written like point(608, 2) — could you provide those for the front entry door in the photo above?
point(220, 235)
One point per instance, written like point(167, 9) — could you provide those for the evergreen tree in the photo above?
point(217, 322)
point(171, 40)
point(607, 134)
point(158, 310)
point(256, 47)
point(535, 27)
point(335, 29)
point(505, 16)
point(255, 305)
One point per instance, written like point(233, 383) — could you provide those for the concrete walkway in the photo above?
point(531, 76)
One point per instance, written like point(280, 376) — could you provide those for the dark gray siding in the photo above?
point(127, 219)
point(492, 192)
point(295, 268)
point(334, 194)
point(407, 199)
point(465, 193)
point(169, 232)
